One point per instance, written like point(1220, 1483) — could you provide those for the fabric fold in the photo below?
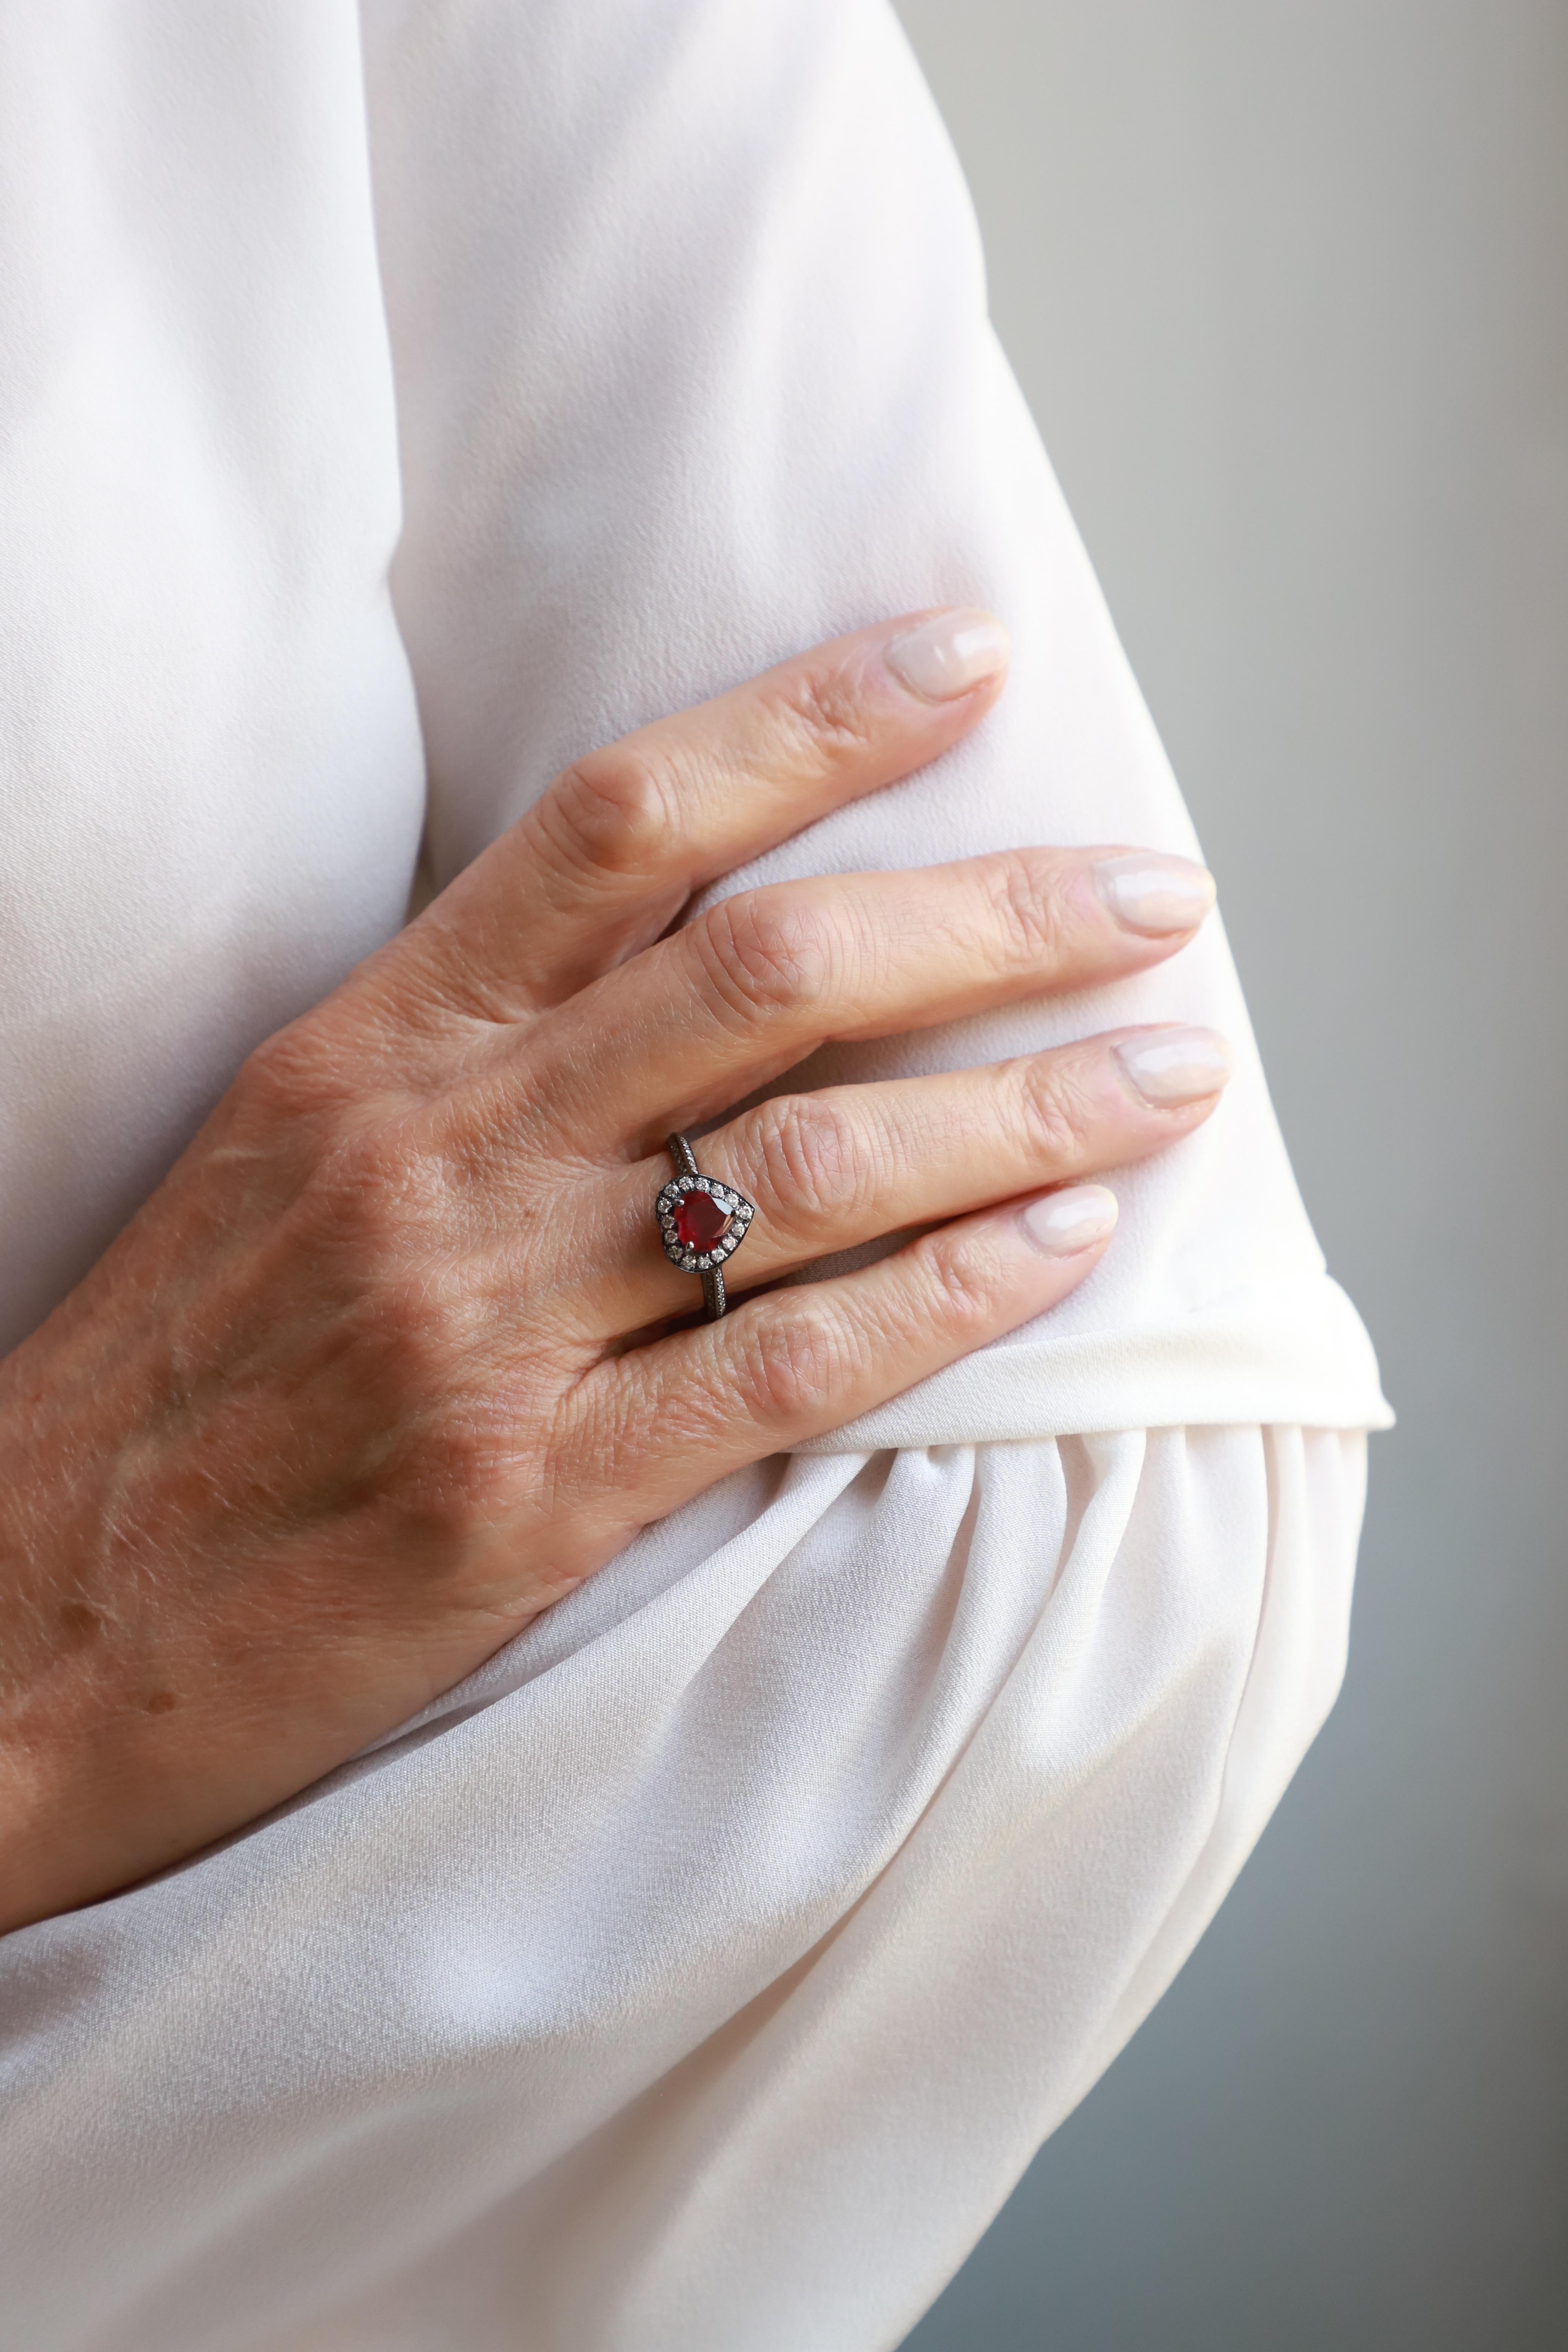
point(703, 1969)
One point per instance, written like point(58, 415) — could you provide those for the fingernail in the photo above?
point(946, 656)
point(1061, 1224)
point(1175, 1065)
point(1156, 894)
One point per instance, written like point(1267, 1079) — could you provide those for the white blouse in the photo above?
point(393, 402)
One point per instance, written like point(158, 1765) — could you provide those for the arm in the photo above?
point(688, 316)
point(703, 1967)
point(736, 384)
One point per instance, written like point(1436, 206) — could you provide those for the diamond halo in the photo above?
point(737, 1208)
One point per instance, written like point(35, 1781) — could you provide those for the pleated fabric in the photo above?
point(396, 403)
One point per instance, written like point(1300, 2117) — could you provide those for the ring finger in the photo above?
point(828, 1171)
point(755, 983)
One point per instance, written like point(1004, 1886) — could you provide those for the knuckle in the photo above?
point(764, 952)
point(1054, 1110)
point(614, 815)
point(370, 1317)
point(824, 713)
point(385, 1204)
point(288, 1076)
point(806, 1159)
point(965, 1284)
point(1027, 905)
point(410, 1336)
point(791, 1363)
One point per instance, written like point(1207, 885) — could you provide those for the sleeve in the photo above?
point(701, 373)
point(693, 370)
point(706, 1968)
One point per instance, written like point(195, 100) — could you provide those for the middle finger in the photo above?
point(763, 978)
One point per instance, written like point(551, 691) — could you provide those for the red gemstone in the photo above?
point(699, 1222)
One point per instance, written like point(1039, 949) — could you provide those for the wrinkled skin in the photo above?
point(392, 1358)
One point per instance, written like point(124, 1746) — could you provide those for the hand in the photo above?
point(393, 1358)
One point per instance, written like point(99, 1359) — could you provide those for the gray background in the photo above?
point(1287, 284)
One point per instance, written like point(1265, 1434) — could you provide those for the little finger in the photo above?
point(646, 1430)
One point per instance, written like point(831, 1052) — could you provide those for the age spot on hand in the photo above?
point(83, 1624)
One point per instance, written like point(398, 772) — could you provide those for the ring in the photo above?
point(700, 1222)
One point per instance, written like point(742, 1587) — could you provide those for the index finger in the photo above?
point(611, 853)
